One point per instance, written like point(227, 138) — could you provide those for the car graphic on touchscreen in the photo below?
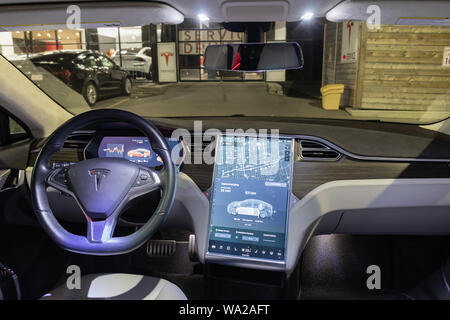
point(139, 153)
point(251, 207)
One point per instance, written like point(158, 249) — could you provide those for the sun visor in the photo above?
point(86, 15)
point(255, 11)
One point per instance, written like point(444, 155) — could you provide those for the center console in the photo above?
point(250, 200)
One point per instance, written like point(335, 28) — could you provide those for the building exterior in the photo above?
point(392, 69)
point(174, 53)
point(190, 39)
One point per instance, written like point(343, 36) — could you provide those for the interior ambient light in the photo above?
point(202, 17)
point(307, 16)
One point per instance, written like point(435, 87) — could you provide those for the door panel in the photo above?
point(112, 75)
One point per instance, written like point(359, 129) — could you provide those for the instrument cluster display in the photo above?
point(135, 149)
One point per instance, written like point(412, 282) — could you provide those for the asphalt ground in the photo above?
point(219, 99)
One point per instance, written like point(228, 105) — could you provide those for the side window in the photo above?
point(98, 60)
point(10, 130)
point(106, 62)
point(89, 61)
point(148, 52)
point(15, 128)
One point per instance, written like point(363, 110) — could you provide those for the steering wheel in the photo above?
point(102, 187)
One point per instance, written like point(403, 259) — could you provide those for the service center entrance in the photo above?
point(193, 38)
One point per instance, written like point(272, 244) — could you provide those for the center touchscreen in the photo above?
point(250, 198)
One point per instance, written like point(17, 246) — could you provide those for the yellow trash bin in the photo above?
point(331, 96)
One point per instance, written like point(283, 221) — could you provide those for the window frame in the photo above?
point(14, 137)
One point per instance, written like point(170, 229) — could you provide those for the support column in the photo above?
point(279, 36)
point(149, 39)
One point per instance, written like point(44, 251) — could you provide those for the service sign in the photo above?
point(167, 62)
point(198, 48)
point(210, 35)
point(194, 42)
point(350, 41)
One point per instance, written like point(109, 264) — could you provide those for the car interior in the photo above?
point(240, 199)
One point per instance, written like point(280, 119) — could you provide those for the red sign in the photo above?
point(166, 55)
point(194, 42)
point(210, 35)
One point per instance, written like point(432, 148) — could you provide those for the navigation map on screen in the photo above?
point(250, 197)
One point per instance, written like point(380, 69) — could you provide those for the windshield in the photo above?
point(393, 73)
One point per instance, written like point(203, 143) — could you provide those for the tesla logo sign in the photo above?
point(98, 175)
point(350, 25)
point(446, 57)
point(166, 55)
point(350, 41)
point(167, 62)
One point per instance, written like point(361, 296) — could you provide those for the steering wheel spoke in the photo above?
point(148, 180)
point(57, 178)
point(101, 231)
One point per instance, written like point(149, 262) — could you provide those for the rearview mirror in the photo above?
point(254, 57)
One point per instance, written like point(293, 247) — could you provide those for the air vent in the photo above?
point(72, 150)
point(310, 150)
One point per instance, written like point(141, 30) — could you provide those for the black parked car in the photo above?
point(91, 73)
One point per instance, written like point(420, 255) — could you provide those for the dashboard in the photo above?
point(261, 200)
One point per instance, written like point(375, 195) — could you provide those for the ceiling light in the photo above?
point(59, 30)
point(38, 34)
point(202, 17)
point(307, 16)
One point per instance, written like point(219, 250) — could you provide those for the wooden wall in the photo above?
point(402, 69)
point(398, 68)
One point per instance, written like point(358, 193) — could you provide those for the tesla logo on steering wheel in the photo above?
point(98, 175)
